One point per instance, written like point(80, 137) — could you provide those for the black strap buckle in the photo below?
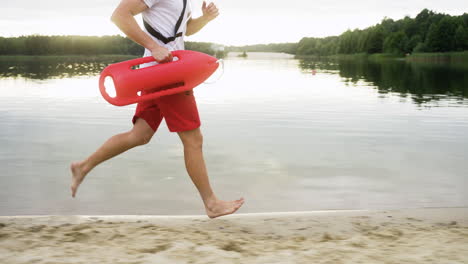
point(162, 38)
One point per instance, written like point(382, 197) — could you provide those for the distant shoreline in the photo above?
point(461, 56)
point(68, 57)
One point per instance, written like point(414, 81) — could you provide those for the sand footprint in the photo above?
point(154, 249)
point(75, 237)
point(3, 236)
point(413, 219)
point(232, 246)
point(328, 237)
point(35, 229)
point(115, 236)
point(81, 227)
point(390, 234)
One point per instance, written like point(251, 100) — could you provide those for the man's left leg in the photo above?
point(195, 165)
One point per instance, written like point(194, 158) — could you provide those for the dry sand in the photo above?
point(403, 236)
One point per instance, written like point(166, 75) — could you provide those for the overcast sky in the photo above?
point(241, 21)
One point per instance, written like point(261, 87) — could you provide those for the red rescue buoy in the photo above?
point(137, 85)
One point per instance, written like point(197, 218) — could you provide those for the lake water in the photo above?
point(354, 135)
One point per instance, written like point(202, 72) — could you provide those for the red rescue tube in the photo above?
point(191, 69)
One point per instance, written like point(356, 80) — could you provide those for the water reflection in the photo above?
point(42, 68)
point(424, 82)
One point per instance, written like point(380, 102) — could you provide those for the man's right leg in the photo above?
point(139, 135)
point(196, 168)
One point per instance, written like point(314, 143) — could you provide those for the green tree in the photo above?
point(413, 42)
point(375, 42)
point(423, 22)
point(420, 47)
point(396, 43)
point(461, 38)
point(441, 35)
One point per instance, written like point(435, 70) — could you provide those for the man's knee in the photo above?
point(192, 139)
point(145, 138)
point(141, 133)
point(139, 138)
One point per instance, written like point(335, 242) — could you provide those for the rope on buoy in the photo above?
point(221, 61)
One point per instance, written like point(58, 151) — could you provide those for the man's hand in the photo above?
point(161, 54)
point(210, 12)
point(194, 25)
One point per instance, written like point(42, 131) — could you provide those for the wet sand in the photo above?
point(401, 236)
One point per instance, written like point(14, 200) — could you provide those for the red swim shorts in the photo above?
point(179, 110)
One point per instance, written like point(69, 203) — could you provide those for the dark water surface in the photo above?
point(356, 135)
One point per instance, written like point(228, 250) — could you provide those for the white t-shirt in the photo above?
point(162, 15)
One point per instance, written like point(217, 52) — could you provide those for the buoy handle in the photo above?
point(102, 87)
point(143, 60)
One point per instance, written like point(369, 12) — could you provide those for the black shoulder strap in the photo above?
point(181, 18)
point(159, 36)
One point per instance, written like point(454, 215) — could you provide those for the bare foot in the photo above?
point(77, 176)
point(217, 208)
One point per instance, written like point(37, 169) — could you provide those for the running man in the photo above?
point(165, 22)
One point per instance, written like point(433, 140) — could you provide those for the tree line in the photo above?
point(68, 45)
point(427, 32)
point(85, 45)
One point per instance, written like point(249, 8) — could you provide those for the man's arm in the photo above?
point(210, 12)
point(123, 17)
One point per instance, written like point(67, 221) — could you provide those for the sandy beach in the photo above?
point(401, 236)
